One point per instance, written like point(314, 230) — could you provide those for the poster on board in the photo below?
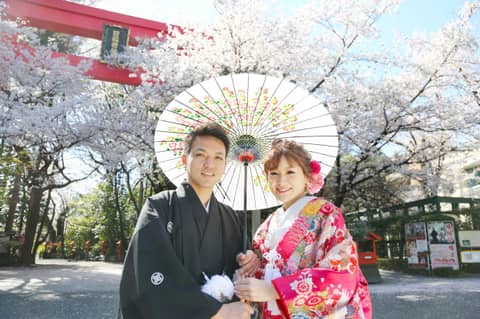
point(417, 247)
point(442, 244)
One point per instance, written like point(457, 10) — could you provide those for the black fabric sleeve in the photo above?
point(151, 254)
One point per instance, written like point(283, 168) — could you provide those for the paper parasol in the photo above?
point(254, 109)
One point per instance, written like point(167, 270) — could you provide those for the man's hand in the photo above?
point(248, 263)
point(252, 289)
point(234, 310)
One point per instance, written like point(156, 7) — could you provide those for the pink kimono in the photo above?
point(312, 261)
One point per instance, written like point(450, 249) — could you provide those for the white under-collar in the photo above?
point(207, 206)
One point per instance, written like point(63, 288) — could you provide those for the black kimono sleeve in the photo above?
point(154, 283)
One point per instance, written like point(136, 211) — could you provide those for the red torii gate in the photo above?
point(77, 19)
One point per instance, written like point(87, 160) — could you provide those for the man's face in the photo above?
point(206, 162)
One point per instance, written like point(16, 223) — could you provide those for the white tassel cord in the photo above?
point(219, 287)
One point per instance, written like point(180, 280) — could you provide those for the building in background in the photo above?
point(460, 175)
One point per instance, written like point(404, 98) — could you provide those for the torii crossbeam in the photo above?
point(77, 19)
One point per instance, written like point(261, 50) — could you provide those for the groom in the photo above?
point(181, 235)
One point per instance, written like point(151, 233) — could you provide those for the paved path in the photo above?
point(57, 289)
point(60, 289)
point(401, 296)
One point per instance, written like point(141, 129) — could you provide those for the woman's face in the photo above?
point(287, 182)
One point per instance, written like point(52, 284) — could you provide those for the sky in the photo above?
point(162, 10)
point(412, 15)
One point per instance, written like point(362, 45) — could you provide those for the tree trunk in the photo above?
point(339, 189)
point(141, 196)
point(61, 225)
point(131, 193)
point(39, 239)
point(23, 208)
point(27, 257)
point(13, 201)
point(116, 191)
point(61, 229)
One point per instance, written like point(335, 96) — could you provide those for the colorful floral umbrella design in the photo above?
point(255, 110)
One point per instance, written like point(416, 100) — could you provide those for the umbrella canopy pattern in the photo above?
point(254, 110)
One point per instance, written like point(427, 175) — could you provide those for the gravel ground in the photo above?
point(60, 289)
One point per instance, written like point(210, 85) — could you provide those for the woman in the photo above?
point(309, 266)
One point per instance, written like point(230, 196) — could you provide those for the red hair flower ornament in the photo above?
point(316, 179)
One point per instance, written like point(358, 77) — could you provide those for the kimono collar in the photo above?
point(282, 220)
point(186, 187)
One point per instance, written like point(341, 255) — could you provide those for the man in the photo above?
point(182, 234)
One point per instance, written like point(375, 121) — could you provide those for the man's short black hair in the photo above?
point(207, 129)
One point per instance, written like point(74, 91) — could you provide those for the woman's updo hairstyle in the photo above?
point(292, 151)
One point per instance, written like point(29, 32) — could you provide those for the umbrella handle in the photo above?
point(255, 313)
point(245, 165)
point(246, 160)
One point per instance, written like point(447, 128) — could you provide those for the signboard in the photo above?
point(442, 245)
point(417, 248)
point(114, 41)
point(470, 256)
point(469, 238)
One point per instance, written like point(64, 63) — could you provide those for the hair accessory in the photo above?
point(315, 167)
point(316, 179)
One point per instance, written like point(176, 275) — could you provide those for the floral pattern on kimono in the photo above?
point(317, 265)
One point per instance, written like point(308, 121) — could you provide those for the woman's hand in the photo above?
point(252, 289)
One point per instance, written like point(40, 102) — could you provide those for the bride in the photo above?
point(309, 262)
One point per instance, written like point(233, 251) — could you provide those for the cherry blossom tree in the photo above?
point(395, 108)
point(43, 101)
